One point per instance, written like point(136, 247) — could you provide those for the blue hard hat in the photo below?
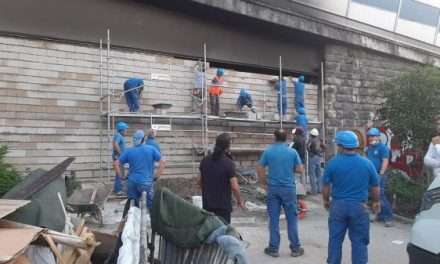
point(243, 92)
point(121, 126)
point(301, 78)
point(137, 137)
point(220, 72)
point(347, 139)
point(373, 132)
point(301, 110)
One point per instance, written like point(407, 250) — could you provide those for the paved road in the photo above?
point(387, 246)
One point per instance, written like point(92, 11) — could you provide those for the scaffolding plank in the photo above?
point(9, 206)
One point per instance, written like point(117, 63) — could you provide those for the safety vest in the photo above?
point(216, 90)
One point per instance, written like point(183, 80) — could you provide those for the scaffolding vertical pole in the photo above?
point(323, 110)
point(109, 141)
point(322, 103)
point(264, 106)
point(206, 140)
point(101, 171)
point(202, 112)
point(280, 113)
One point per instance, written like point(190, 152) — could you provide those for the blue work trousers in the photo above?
point(283, 105)
point(135, 192)
point(132, 98)
point(315, 173)
point(386, 212)
point(299, 101)
point(285, 197)
point(119, 184)
point(351, 216)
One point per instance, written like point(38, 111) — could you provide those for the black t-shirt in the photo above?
point(216, 182)
point(299, 144)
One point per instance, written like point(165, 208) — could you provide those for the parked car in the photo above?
point(424, 245)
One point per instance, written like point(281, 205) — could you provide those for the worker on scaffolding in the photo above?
point(196, 94)
point(299, 92)
point(118, 149)
point(301, 119)
point(141, 159)
point(133, 88)
point(281, 88)
point(245, 99)
point(215, 91)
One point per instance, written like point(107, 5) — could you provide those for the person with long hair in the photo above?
point(218, 180)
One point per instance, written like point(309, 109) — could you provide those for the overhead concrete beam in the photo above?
point(290, 14)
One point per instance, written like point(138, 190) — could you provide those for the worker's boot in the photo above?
point(389, 223)
point(297, 252)
point(271, 252)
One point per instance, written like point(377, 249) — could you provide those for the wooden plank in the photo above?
point(39, 183)
point(54, 248)
point(9, 206)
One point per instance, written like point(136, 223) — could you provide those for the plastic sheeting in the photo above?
point(129, 252)
point(40, 255)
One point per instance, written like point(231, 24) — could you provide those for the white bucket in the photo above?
point(197, 201)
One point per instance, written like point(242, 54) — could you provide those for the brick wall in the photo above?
point(49, 105)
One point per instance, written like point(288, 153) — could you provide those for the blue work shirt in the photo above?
point(350, 176)
point(377, 153)
point(120, 140)
point(152, 142)
point(299, 88)
point(198, 79)
point(282, 162)
point(244, 99)
point(141, 160)
point(133, 83)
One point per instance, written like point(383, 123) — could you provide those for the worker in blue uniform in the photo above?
point(299, 92)
point(151, 139)
point(301, 119)
point(379, 154)
point(118, 149)
point(281, 88)
point(245, 99)
point(348, 178)
point(141, 159)
point(281, 163)
point(133, 88)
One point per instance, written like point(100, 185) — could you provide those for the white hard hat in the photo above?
point(314, 132)
point(293, 131)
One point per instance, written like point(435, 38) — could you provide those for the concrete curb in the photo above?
point(404, 219)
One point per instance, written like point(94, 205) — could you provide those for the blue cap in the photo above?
point(373, 132)
point(137, 137)
point(301, 110)
point(220, 72)
point(347, 139)
point(121, 126)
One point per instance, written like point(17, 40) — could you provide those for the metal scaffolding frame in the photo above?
point(109, 115)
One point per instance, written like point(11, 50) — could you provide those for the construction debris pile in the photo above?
point(35, 227)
